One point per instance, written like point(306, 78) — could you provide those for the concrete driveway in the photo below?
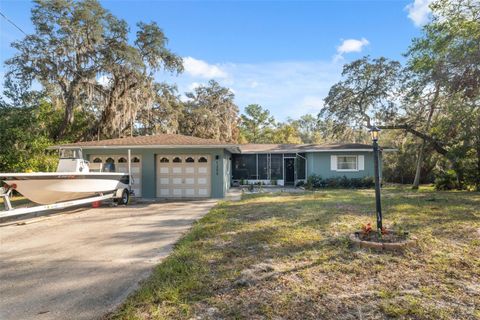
point(82, 264)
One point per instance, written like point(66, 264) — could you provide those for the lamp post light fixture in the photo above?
point(374, 131)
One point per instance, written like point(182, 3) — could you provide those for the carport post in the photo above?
point(129, 170)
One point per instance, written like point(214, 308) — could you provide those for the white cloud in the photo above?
point(200, 68)
point(194, 85)
point(352, 45)
point(419, 12)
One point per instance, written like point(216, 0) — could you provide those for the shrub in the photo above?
point(316, 182)
point(446, 180)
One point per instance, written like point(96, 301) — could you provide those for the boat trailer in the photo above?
point(6, 194)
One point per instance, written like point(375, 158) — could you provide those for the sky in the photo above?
point(283, 55)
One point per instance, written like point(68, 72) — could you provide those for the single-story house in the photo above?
point(178, 166)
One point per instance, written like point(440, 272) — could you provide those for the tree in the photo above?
point(255, 122)
point(211, 113)
point(77, 42)
point(24, 137)
point(308, 128)
point(446, 82)
point(285, 133)
point(440, 83)
point(165, 114)
point(367, 94)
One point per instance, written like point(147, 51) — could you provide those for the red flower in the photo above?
point(367, 228)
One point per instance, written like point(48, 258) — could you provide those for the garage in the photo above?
point(119, 163)
point(183, 176)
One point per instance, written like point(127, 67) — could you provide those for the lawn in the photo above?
point(287, 256)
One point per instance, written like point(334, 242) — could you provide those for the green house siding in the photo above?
point(149, 185)
point(319, 163)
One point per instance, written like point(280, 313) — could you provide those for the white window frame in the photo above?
point(348, 170)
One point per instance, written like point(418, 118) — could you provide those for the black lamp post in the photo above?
point(374, 132)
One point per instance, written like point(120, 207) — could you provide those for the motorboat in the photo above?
point(72, 180)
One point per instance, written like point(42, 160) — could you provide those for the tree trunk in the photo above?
point(416, 181)
point(418, 172)
point(477, 147)
point(68, 117)
point(70, 96)
point(477, 178)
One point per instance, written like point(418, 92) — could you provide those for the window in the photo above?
point(276, 166)
point(122, 160)
point(70, 154)
point(135, 160)
point(177, 160)
point(97, 160)
point(164, 160)
point(110, 160)
point(189, 159)
point(244, 166)
point(202, 159)
point(346, 163)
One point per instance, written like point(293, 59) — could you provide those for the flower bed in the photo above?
point(389, 243)
point(386, 239)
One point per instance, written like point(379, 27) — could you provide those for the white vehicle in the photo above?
point(73, 180)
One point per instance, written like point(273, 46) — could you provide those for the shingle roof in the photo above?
point(154, 140)
point(272, 148)
point(174, 140)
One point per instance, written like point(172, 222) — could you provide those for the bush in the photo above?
point(317, 182)
point(446, 180)
point(300, 183)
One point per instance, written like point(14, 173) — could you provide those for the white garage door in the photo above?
point(183, 176)
point(120, 164)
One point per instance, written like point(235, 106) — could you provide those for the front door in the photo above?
point(289, 171)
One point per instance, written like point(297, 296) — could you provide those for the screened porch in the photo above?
point(269, 168)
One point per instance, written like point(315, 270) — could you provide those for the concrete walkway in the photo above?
point(82, 264)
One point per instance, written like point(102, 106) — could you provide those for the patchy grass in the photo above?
point(286, 256)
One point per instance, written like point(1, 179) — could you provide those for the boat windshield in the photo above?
point(71, 154)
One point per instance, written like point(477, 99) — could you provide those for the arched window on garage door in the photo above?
point(164, 160)
point(135, 160)
point(202, 159)
point(177, 160)
point(189, 159)
point(122, 160)
point(97, 160)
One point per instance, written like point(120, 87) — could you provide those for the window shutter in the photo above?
point(333, 163)
point(361, 162)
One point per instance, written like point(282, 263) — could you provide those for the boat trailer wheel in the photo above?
point(125, 197)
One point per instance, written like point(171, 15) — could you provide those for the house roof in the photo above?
point(158, 140)
point(182, 141)
point(280, 148)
